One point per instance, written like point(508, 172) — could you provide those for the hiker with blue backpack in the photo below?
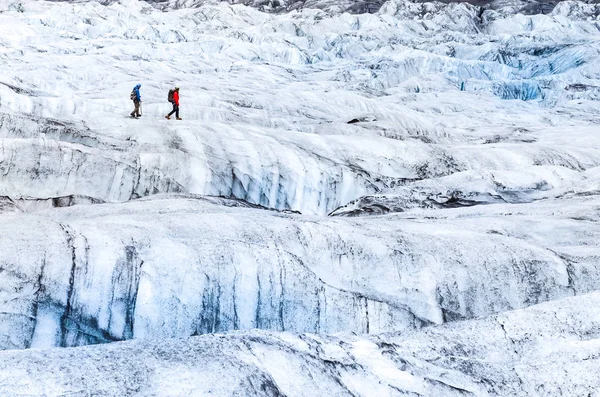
point(173, 97)
point(137, 100)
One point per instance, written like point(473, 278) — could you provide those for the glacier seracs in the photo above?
point(470, 132)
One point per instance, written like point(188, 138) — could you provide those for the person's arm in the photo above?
point(137, 93)
point(176, 97)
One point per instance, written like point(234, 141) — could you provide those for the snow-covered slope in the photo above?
point(472, 133)
point(548, 350)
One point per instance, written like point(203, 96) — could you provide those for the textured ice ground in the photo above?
point(471, 132)
point(181, 266)
point(548, 350)
point(266, 100)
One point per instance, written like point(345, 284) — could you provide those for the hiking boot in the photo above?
point(167, 117)
point(178, 118)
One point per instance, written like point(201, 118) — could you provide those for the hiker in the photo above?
point(174, 99)
point(137, 99)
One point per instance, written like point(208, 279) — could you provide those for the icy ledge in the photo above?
point(177, 266)
point(549, 349)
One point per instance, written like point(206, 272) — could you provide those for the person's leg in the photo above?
point(177, 111)
point(174, 109)
point(134, 107)
point(137, 109)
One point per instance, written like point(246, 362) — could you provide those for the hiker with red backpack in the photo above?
point(173, 97)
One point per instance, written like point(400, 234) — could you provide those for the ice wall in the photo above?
point(551, 349)
point(182, 266)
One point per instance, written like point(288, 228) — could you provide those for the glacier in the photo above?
point(362, 198)
point(549, 349)
point(185, 265)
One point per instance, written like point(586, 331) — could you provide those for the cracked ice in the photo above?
point(469, 133)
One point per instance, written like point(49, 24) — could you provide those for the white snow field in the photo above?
point(403, 202)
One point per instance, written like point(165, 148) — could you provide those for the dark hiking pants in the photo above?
point(175, 110)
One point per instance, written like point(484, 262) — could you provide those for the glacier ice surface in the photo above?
point(549, 349)
point(471, 133)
